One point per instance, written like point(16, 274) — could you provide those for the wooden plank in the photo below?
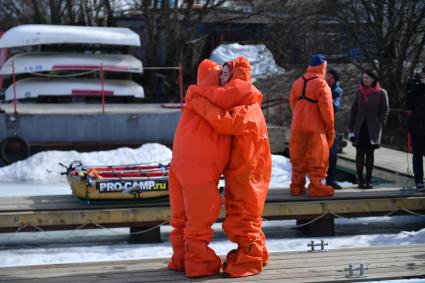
point(281, 210)
point(299, 275)
point(386, 159)
point(385, 263)
point(80, 217)
point(68, 202)
point(401, 179)
point(299, 257)
point(324, 262)
point(342, 207)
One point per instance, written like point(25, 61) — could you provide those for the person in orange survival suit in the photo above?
point(199, 157)
point(249, 170)
point(312, 130)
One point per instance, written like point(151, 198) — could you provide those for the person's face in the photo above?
point(330, 79)
point(225, 75)
point(368, 80)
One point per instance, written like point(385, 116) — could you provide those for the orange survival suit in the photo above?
point(312, 131)
point(200, 155)
point(249, 170)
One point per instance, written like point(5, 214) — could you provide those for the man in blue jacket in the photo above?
point(332, 77)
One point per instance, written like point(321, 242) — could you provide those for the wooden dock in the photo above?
point(382, 263)
point(392, 165)
point(65, 212)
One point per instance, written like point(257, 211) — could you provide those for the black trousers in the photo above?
point(365, 155)
point(418, 150)
point(365, 152)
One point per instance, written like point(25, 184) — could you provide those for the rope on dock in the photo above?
point(21, 228)
point(343, 217)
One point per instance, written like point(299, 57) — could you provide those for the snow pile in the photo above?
point(44, 166)
point(261, 59)
point(281, 172)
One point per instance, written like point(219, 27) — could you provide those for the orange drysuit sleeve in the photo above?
point(326, 111)
point(235, 93)
point(293, 98)
point(232, 122)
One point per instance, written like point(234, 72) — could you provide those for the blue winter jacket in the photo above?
point(336, 96)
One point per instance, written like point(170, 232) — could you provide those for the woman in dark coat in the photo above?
point(369, 113)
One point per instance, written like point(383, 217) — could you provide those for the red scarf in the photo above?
point(366, 91)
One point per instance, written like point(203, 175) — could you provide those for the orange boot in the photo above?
point(177, 221)
point(233, 254)
point(176, 262)
point(297, 186)
point(266, 257)
point(317, 189)
point(245, 261)
point(200, 260)
point(298, 154)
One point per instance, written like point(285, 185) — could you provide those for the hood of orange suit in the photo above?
point(243, 92)
point(242, 69)
point(237, 92)
point(317, 70)
point(208, 73)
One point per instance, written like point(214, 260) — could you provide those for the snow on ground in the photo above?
point(40, 249)
point(261, 59)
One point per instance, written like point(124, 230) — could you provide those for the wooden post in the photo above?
point(321, 227)
point(152, 236)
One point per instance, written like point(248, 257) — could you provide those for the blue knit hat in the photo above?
point(317, 59)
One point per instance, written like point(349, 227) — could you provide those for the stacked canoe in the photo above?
point(70, 73)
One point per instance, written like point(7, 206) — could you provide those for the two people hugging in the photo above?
point(222, 131)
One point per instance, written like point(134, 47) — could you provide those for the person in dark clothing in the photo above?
point(332, 78)
point(416, 125)
point(369, 113)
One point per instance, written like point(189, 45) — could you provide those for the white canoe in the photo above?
point(34, 87)
point(31, 62)
point(26, 35)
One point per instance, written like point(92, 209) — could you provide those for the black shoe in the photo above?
point(368, 185)
point(226, 275)
point(360, 181)
point(420, 187)
point(335, 186)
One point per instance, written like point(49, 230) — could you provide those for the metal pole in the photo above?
point(181, 83)
point(14, 86)
point(102, 83)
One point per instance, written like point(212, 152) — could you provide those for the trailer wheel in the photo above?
point(14, 148)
